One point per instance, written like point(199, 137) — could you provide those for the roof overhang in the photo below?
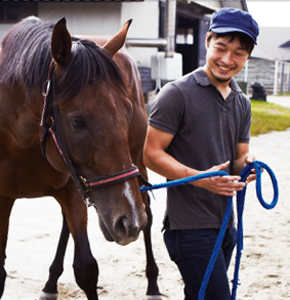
point(76, 0)
point(202, 9)
point(191, 9)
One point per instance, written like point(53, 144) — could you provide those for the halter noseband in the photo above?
point(50, 111)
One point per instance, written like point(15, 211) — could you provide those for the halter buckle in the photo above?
point(84, 182)
point(47, 86)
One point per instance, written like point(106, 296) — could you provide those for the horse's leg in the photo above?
point(85, 266)
point(152, 270)
point(6, 205)
point(2, 279)
point(56, 268)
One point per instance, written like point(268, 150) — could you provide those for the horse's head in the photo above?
point(94, 116)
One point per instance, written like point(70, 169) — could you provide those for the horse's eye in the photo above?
point(79, 123)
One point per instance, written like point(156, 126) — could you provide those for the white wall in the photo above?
point(4, 28)
point(99, 18)
point(145, 16)
point(90, 18)
point(145, 24)
point(105, 18)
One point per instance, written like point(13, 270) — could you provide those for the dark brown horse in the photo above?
point(77, 143)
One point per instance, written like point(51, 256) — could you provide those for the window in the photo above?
point(185, 36)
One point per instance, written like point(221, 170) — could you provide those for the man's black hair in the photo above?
point(245, 41)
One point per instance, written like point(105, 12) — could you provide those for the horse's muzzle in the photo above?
point(123, 231)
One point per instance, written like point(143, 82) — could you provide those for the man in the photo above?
point(201, 123)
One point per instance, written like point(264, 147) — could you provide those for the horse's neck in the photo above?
point(131, 77)
point(19, 117)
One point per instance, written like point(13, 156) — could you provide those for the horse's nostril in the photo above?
point(121, 226)
point(126, 229)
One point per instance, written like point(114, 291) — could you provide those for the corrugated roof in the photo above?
point(269, 43)
point(217, 4)
point(259, 53)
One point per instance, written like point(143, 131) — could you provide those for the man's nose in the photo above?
point(227, 58)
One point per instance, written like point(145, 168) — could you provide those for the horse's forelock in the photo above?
point(89, 64)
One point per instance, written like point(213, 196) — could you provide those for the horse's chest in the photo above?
point(29, 176)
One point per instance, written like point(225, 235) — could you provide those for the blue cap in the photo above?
point(234, 20)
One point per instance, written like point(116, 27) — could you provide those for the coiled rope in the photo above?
point(258, 166)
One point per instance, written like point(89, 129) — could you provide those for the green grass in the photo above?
point(267, 117)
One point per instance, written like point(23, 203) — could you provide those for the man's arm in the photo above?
point(156, 159)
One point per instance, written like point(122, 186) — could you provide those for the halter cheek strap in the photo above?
point(50, 111)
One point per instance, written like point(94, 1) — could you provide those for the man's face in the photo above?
point(224, 59)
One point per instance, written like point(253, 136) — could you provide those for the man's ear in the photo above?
point(206, 40)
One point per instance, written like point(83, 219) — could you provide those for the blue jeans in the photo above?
point(191, 251)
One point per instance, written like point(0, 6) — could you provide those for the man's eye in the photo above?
point(220, 49)
point(241, 54)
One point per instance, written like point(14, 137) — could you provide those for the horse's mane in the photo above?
point(25, 59)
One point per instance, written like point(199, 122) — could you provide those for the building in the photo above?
point(269, 64)
point(166, 38)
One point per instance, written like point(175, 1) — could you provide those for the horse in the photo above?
point(73, 124)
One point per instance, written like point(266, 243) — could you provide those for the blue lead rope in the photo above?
point(258, 166)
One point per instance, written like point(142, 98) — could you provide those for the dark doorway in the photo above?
point(190, 39)
point(186, 31)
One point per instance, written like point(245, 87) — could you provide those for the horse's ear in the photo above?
point(61, 43)
point(118, 41)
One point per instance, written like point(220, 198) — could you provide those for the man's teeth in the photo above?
point(225, 69)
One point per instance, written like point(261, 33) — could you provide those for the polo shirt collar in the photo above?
point(202, 79)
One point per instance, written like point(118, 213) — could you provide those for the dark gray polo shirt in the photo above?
point(206, 132)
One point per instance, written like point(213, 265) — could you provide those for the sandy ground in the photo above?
point(264, 274)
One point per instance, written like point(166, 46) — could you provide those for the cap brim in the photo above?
point(232, 29)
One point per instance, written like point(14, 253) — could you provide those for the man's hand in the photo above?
point(249, 158)
point(242, 158)
point(222, 185)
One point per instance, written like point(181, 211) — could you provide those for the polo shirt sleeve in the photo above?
point(167, 110)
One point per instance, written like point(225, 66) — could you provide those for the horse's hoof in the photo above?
point(155, 297)
point(48, 296)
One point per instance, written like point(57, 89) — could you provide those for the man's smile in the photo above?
point(224, 68)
